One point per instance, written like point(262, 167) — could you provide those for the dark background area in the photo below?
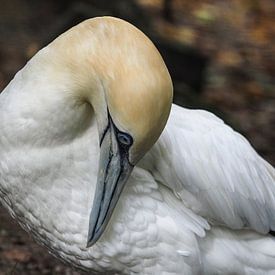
point(221, 56)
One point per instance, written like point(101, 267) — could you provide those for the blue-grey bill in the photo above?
point(114, 170)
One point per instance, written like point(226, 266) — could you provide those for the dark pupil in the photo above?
point(124, 139)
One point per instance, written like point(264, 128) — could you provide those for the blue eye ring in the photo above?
point(125, 139)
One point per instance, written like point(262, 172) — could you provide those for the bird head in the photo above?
point(130, 90)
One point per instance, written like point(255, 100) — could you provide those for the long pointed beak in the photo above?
point(114, 170)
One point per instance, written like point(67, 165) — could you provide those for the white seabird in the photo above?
point(82, 167)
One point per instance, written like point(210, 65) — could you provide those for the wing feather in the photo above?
point(215, 171)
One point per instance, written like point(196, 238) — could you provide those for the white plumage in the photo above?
point(201, 201)
point(215, 171)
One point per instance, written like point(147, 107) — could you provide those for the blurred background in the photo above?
point(221, 56)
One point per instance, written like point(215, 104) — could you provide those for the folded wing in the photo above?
point(215, 171)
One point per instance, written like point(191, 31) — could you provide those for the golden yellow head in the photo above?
point(137, 84)
point(116, 67)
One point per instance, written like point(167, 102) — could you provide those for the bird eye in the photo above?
point(125, 139)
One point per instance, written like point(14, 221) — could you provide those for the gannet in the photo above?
point(93, 168)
